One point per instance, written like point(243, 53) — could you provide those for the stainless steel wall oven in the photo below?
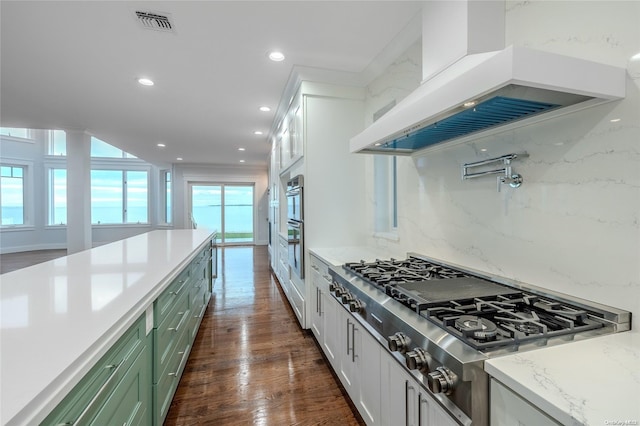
point(295, 225)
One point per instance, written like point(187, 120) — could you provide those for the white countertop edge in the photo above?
point(544, 377)
point(47, 400)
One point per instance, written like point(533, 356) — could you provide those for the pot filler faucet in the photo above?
point(513, 179)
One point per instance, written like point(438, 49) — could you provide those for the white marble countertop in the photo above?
point(59, 317)
point(590, 382)
point(340, 255)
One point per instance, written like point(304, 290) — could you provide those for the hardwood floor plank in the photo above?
point(251, 363)
point(11, 261)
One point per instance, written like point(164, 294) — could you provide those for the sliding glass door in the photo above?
point(228, 208)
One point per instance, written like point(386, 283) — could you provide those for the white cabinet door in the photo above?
point(331, 343)
point(367, 358)
point(404, 401)
point(317, 324)
point(507, 408)
point(348, 366)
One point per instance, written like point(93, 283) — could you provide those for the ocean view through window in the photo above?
point(226, 208)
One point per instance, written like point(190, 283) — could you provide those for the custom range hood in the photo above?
point(466, 93)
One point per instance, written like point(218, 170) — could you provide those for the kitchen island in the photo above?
point(59, 318)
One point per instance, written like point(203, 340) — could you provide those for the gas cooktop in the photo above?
point(482, 313)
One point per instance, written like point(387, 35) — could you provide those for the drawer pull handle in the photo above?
point(178, 291)
point(177, 327)
point(183, 360)
point(104, 390)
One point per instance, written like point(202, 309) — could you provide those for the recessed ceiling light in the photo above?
point(615, 120)
point(276, 56)
point(145, 82)
point(240, 149)
point(257, 132)
point(242, 161)
point(636, 57)
point(160, 145)
point(179, 158)
point(265, 109)
point(483, 149)
point(469, 104)
point(377, 144)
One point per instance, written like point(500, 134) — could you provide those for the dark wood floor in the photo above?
point(12, 261)
point(251, 363)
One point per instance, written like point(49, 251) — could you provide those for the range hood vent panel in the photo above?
point(510, 87)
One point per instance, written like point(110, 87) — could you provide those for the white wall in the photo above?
point(574, 225)
point(40, 236)
point(184, 174)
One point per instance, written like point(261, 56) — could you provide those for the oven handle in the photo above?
point(294, 223)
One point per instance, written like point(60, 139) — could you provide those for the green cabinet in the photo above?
point(134, 382)
point(111, 379)
point(178, 315)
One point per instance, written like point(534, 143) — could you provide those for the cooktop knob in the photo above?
point(338, 290)
point(356, 305)
point(442, 380)
point(417, 359)
point(399, 342)
point(347, 297)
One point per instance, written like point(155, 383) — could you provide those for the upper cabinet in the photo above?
point(289, 136)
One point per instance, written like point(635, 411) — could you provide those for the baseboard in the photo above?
point(33, 247)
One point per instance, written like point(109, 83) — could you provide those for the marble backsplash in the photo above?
point(573, 226)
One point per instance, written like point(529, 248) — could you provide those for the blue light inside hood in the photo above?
point(490, 113)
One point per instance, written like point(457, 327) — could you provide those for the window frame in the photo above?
point(166, 197)
point(124, 165)
point(50, 194)
point(27, 193)
point(385, 192)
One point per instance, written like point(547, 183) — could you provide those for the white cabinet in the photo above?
point(359, 367)
point(324, 310)
point(312, 139)
point(290, 136)
point(507, 408)
point(405, 402)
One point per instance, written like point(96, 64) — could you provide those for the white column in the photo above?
point(78, 191)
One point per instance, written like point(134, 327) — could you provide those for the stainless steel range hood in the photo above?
point(484, 93)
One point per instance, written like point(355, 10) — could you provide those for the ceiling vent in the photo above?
point(154, 21)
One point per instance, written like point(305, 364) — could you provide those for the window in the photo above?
point(385, 194)
point(167, 196)
point(57, 197)
point(12, 195)
point(102, 149)
point(119, 196)
point(15, 132)
point(57, 140)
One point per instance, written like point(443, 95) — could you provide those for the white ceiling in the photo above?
point(74, 64)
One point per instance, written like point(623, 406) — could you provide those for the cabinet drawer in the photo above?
point(167, 383)
point(130, 402)
point(168, 297)
point(86, 399)
point(168, 334)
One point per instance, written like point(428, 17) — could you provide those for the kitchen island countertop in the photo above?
point(591, 382)
point(59, 317)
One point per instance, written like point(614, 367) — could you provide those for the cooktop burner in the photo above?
point(391, 272)
point(503, 320)
point(482, 313)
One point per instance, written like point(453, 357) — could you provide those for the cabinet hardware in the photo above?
point(100, 396)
